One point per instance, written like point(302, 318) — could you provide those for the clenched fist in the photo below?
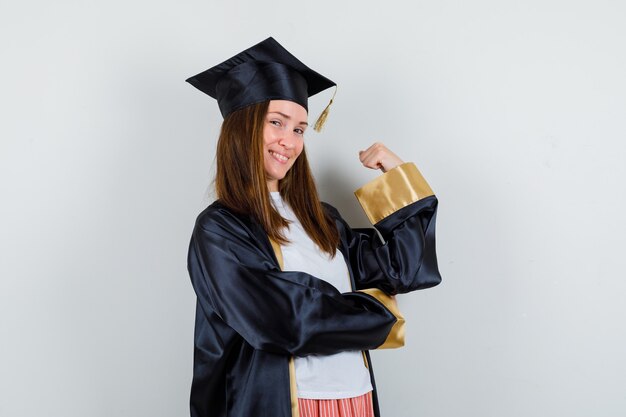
point(378, 156)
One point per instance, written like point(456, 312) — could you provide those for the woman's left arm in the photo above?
point(403, 208)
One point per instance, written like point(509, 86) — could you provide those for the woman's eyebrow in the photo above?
point(288, 117)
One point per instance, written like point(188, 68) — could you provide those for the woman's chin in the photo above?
point(276, 174)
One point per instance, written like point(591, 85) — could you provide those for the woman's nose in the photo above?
point(287, 142)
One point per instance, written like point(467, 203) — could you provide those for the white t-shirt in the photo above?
point(342, 375)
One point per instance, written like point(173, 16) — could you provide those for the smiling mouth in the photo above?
point(279, 157)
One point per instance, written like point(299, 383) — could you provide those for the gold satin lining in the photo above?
point(392, 191)
point(278, 252)
point(395, 338)
point(293, 387)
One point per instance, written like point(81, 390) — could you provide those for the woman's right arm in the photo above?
point(287, 312)
point(403, 209)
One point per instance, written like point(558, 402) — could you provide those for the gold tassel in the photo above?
point(322, 118)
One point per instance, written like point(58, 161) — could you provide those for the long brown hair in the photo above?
point(241, 183)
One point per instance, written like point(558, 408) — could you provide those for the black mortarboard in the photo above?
point(266, 71)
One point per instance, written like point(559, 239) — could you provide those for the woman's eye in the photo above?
point(299, 131)
point(275, 122)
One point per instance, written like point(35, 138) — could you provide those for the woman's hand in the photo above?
point(378, 156)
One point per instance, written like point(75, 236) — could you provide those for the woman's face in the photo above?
point(283, 138)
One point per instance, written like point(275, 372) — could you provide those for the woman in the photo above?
point(289, 298)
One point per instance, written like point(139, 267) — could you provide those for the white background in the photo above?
point(514, 112)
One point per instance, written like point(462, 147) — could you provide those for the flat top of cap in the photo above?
point(268, 51)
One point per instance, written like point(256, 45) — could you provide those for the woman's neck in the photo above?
point(272, 185)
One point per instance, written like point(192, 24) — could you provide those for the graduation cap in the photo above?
point(266, 71)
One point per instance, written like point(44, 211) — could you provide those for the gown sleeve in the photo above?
point(403, 209)
point(286, 312)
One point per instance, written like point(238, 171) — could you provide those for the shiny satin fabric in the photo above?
point(252, 317)
point(265, 71)
point(396, 189)
point(395, 338)
point(255, 82)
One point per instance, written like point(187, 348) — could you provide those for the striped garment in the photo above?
point(360, 406)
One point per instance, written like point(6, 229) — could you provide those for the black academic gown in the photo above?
point(252, 317)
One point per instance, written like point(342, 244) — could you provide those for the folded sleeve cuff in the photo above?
point(395, 338)
point(392, 191)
